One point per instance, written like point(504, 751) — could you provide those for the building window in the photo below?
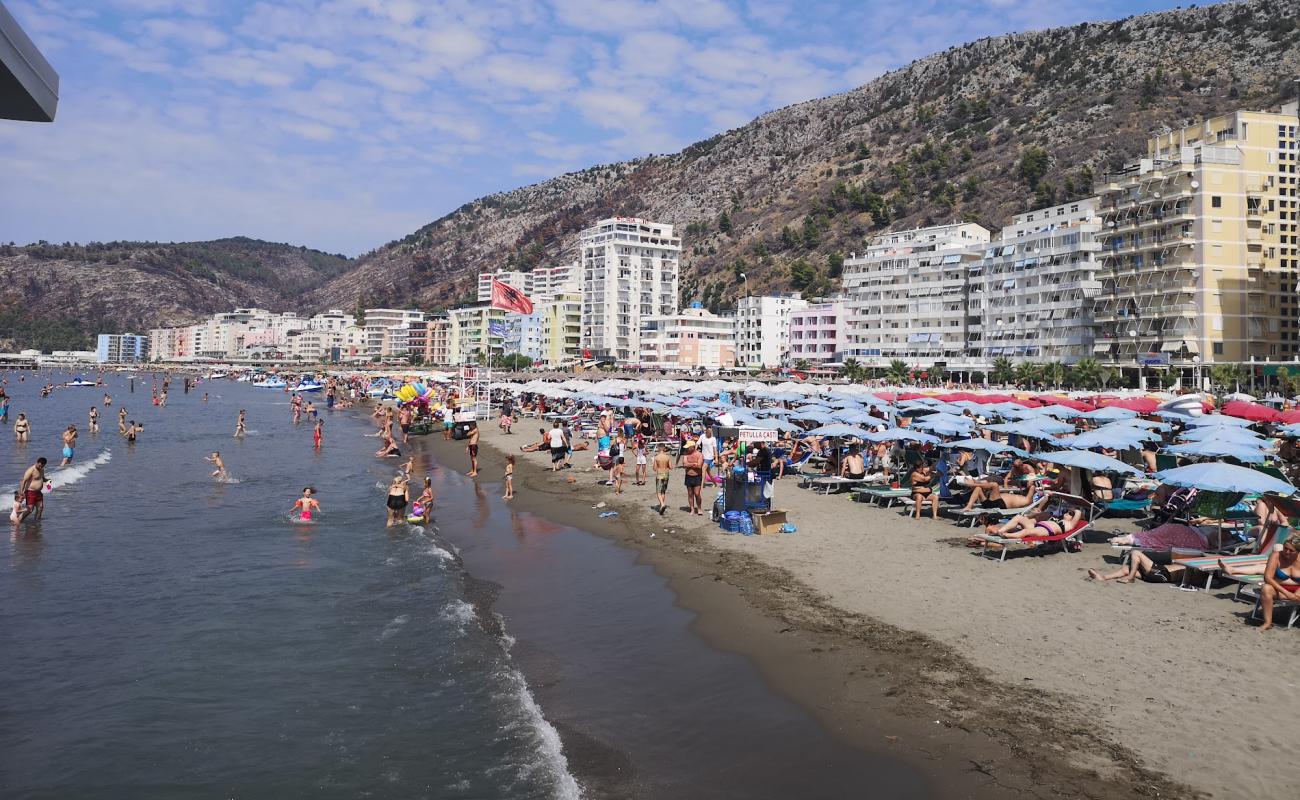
point(1216, 201)
point(1218, 348)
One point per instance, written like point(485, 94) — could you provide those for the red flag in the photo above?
point(507, 297)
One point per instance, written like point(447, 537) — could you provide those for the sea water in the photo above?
point(164, 635)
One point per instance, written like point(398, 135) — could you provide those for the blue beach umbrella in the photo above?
point(1216, 476)
point(986, 445)
point(1217, 449)
point(1110, 440)
point(1038, 428)
point(1217, 419)
point(902, 435)
point(840, 431)
point(1110, 413)
point(1086, 459)
point(1238, 435)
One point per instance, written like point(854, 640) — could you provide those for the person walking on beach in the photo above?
point(22, 429)
point(316, 433)
point(239, 425)
point(404, 416)
point(215, 459)
point(69, 445)
point(641, 460)
point(693, 464)
point(555, 440)
point(32, 485)
point(472, 448)
point(399, 494)
point(663, 467)
point(94, 420)
point(618, 454)
point(306, 505)
point(709, 452)
point(510, 478)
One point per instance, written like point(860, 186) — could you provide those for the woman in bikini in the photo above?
point(306, 505)
point(1040, 524)
point(422, 508)
point(1281, 578)
point(923, 492)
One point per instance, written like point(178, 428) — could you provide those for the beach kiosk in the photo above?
point(747, 491)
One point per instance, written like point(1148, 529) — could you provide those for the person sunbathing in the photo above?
point(1102, 488)
point(1141, 565)
point(1039, 524)
point(854, 466)
point(542, 444)
point(989, 494)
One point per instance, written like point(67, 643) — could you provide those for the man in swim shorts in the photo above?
point(472, 449)
point(32, 484)
point(663, 466)
point(69, 445)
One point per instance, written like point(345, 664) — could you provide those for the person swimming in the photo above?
point(306, 504)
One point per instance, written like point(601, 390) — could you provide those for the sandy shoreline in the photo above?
point(995, 677)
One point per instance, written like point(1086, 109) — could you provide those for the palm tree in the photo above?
point(1003, 370)
point(1225, 377)
point(1105, 375)
point(1055, 373)
point(1086, 373)
point(897, 373)
point(1027, 373)
point(852, 370)
point(802, 365)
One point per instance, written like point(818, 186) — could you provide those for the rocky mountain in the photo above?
point(978, 132)
point(58, 296)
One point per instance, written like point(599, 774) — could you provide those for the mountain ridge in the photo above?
point(979, 132)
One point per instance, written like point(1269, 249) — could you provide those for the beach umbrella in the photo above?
point(943, 417)
point(840, 431)
point(1218, 449)
point(1145, 423)
point(1289, 417)
point(1110, 440)
point(1142, 405)
point(1217, 419)
point(1236, 435)
point(1239, 396)
point(985, 445)
point(1110, 413)
point(1251, 411)
point(1037, 428)
point(1062, 412)
point(902, 435)
point(774, 425)
point(1068, 402)
point(1217, 476)
point(1086, 459)
point(814, 416)
point(1290, 431)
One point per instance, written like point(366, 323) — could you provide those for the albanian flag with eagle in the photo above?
point(508, 298)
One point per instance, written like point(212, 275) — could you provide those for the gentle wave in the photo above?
point(59, 478)
point(550, 749)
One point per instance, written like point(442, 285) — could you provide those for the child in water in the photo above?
point(510, 478)
point(16, 515)
point(316, 433)
point(220, 472)
point(306, 504)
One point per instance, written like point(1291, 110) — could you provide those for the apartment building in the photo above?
point(430, 340)
point(388, 331)
point(819, 333)
point(471, 340)
point(691, 339)
point(541, 285)
point(1200, 259)
point(121, 348)
point(331, 320)
point(525, 335)
point(1032, 292)
point(562, 331)
point(908, 294)
point(763, 329)
point(629, 273)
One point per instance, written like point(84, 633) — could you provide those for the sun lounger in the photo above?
point(1003, 545)
point(1250, 588)
point(832, 483)
point(1209, 565)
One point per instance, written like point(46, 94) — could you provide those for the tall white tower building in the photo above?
point(629, 271)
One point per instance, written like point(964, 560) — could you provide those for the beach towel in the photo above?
point(1168, 536)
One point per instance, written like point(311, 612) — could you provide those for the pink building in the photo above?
point(818, 333)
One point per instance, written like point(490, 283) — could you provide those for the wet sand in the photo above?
point(996, 677)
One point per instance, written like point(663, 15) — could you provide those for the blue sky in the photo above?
point(343, 124)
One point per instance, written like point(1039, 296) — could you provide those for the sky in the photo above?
point(345, 124)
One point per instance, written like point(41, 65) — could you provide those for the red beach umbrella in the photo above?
point(1251, 411)
point(1142, 405)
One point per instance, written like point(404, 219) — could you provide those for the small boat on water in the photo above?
point(308, 386)
point(216, 376)
point(270, 383)
point(81, 381)
point(244, 379)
